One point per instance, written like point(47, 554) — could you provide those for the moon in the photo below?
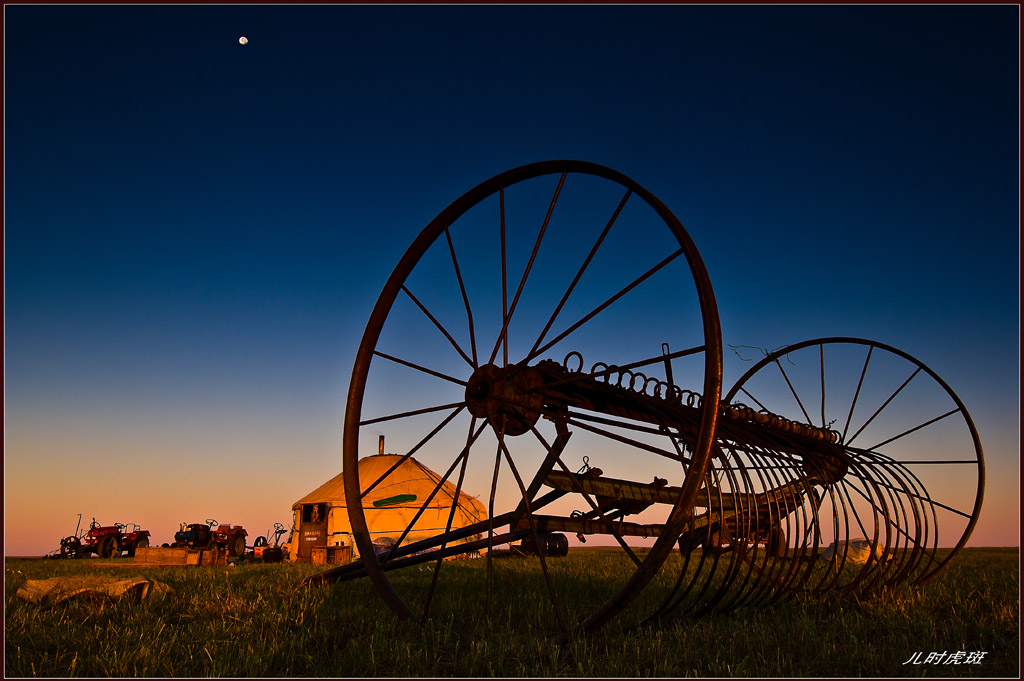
point(243, 40)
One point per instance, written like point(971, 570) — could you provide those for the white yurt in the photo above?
point(321, 517)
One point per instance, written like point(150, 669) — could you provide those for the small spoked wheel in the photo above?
point(110, 548)
point(479, 362)
point(910, 485)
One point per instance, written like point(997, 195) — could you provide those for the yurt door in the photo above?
point(313, 530)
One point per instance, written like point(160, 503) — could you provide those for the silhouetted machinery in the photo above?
point(704, 499)
point(210, 535)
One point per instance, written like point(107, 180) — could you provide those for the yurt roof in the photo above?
point(408, 472)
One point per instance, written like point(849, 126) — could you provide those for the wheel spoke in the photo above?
point(490, 520)
point(822, 354)
point(441, 480)
point(439, 326)
point(579, 274)
point(415, 412)
point(914, 429)
point(536, 539)
point(465, 298)
point(408, 455)
point(504, 275)
point(600, 308)
point(756, 401)
point(417, 367)
point(856, 394)
point(792, 389)
point(503, 336)
point(885, 404)
point(456, 503)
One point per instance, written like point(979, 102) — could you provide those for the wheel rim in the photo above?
point(912, 485)
point(463, 344)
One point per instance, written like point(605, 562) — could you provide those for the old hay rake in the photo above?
point(473, 362)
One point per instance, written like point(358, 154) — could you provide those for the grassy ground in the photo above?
point(252, 620)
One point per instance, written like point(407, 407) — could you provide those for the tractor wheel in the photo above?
point(70, 546)
point(260, 541)
point(141, 542)
point(110, 548)
point(236, 545)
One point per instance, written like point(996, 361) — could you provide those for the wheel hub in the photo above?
point(508, 397)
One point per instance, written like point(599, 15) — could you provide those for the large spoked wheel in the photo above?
point(559, 261)
point(913, 483)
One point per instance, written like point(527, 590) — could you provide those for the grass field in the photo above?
point(253, 620)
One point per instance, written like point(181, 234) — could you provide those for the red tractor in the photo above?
point(108, 541)
point(211, 535)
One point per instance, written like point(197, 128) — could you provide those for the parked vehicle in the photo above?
point(107, 541)
point(261, 547)
point(211, 535)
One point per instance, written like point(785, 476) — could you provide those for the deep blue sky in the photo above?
point(196, 230)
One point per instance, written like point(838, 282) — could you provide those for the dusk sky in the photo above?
point(196, 230)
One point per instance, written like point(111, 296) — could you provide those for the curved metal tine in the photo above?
point(579, 274)
point(405, 457)
point(840, 528)
point(745, 554)
point(533, 528)
point(856, 394)
point(603, 306)
point(588, 498)
point(440, 327)
point(753, 586)
point(783, 505)
point(674, 600)
point(417, 367)
point(711, 593)
point(441, 480)
point(793, 510)
point(920, 518)
point(923, 495)
point(792, 389)
point(845, 488)
point(739, 493)
point(924, 504)
point(894, 565)
point(703, 603)
point(888, 522)
point(885, 404)
point(465, 297)
point(892, 513)
point(503, 335)
point(456, 503)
